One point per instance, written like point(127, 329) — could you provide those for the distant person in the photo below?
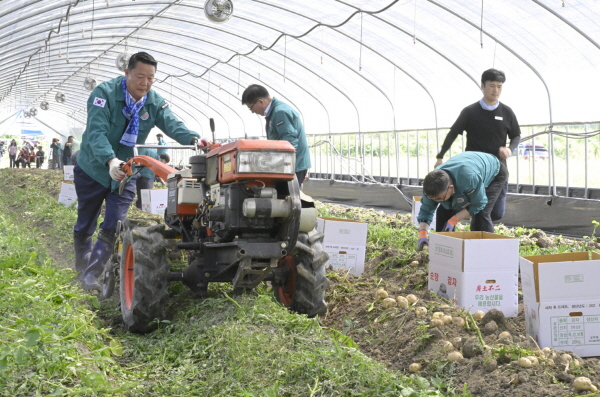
point(120, 113)
point(12, 153)
point(23, 158)
point(39, 157)
point(488, 124)
point(468, 184)
point(56, 154)
point(68, 151)
point(32, 157)
point(283, 123)
point(161, 142)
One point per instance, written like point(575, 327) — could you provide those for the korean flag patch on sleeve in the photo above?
point(99, 102)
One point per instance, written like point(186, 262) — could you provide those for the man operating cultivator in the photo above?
point(242, 217)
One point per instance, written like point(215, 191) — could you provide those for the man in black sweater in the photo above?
point(488, 124)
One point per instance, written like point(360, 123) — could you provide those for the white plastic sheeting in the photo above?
point(354, 65)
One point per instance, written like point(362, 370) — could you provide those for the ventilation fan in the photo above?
point(26, 114)
point(218, 10)
point(121, 61)
point(33, 112)
point(89, 83)
point(60, 97)
point(44, 105)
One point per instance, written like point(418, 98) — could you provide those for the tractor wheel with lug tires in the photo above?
point(303, 289)
point(143, 278)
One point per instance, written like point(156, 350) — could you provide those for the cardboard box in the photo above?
point(67, 195)
point(474, 251)
point(562, 301)
point(68, 172)
point(154, 201)
point(476, 290)
point(477, 270)
point(346, 243)
point(416, 207)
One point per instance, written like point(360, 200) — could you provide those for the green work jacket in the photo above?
point(106, 124)
point(471, 174)
point(283, 123)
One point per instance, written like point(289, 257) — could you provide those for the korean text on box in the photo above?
point(346, 242)
point(475, 270)
point(154, 201)
point(562, 301)
point(67, 195)
point(68, 172)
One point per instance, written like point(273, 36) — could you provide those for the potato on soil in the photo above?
point(534, 360)
point(414, 263)
point(505, 336)
point(389, 302)
point(421, 311)
point(412, 299)
point(455, 356)
point(582, 384)
point(414, 367)
point(447, 346)
point(458, 321)
point(402, 302)
point(381, 294)
point(436, 323)
point(524, 362)
point(447, 319)
point(478, 315)
point(437, 315)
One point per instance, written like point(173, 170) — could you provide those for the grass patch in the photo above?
point(58, 341)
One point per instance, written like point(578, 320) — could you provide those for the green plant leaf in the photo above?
point(116, 347)
point(32, 336)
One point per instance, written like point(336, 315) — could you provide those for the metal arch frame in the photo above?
point(169, 75)
point(75, 110)
point(235, 53)
point(534, 70)
point(162, 42)
point(373, 14)
point(68, 14)
point(566, 21)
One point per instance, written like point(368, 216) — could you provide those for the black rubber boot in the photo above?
point(83, 246)
point(103, 249)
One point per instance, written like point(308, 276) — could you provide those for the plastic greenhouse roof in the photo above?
point(347, 66)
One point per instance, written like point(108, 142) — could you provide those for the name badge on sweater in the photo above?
point(498, 117)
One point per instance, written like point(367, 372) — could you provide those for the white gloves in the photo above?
point(114, 169)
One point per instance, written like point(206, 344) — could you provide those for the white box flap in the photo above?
point(569, 276)
point(474, 251)
point(342, 231)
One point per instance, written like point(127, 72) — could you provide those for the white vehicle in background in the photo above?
point(526, 150)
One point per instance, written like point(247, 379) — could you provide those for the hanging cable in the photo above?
point(284, 56)
point(415, 25)
point(481, 26)
point(360, 48)
point(93, 12)
point(239, 72)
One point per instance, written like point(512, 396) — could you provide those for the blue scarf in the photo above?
point(130, 111)
point(489, 107)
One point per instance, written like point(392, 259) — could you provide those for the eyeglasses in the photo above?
point(250, 108)
point(444, 197)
